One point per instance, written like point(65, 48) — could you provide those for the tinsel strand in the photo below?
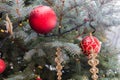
point(58, 62)
point(93, 62)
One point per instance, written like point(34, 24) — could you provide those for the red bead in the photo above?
point(90, 43)
point(42, 19)
point(2, 66)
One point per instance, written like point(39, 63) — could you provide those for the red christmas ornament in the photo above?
point(2, 66)
point(42, 19)
point(90, 43)
point(38, 78)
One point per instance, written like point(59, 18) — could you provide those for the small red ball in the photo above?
point(2, 66)
point(42, 19)
point(38, 78)
point(90, 43)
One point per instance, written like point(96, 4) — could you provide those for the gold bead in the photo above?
point(60, 26)
point(2, 30)
point(20, 24)
point(76, 32)
point(103, 75)
point(59, 67)
point(27, 20)
point(59, 73)
point(59, 78)
point(95, 77)
point(40, 67)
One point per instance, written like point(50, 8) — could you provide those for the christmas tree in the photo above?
point(56, 39)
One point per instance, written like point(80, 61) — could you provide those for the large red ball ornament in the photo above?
point(90, 43)
point(42, 19)
point(2, 66)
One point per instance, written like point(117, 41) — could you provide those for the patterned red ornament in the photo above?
point(90, 43)
point(2, 66)
point(42, 19)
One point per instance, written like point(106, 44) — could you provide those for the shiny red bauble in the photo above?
point(90, 43)
point(2, 66)
point(42, 19)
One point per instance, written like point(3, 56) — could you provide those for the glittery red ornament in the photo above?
point(42, 19)
point(90, 43)
point(2, 66)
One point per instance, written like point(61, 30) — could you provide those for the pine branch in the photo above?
point(3, 1)
point(76, 7)
point(2, 42)
point(67, 31)
point(105, 1)
point(10, 29)
point(61, 16)
point(71, 8)
point(49, 2)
